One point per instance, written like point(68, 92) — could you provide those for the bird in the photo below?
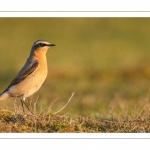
point(32, 75)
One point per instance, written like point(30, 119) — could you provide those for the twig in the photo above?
point(35, 105)
point(65, 105)
point(140, 112)
point(15, 105)
point(53, 103)
point(49, 108)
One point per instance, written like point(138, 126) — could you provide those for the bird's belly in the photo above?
point(27, 87)
point(32, 91)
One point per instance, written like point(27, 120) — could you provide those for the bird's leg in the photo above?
point(26, 106)
point(23, 103)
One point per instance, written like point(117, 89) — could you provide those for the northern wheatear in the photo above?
point(31, 76)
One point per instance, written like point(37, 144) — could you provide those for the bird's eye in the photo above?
point(42, 44)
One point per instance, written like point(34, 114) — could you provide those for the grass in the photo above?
point(45, 122)
point(104, 60)
point(121, 117)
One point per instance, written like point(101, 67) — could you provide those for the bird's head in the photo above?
point(41, 46)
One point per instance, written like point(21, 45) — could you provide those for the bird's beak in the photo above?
point(51, 45)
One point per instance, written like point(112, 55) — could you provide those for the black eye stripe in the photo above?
point(42, 44)
point(39, 45)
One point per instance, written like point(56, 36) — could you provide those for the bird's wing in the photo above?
point(24, 74)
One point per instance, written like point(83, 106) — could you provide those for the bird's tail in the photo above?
point(3, 96)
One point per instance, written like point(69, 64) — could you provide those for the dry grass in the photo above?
point(48, 123)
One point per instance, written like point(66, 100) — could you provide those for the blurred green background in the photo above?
point(106, 61)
